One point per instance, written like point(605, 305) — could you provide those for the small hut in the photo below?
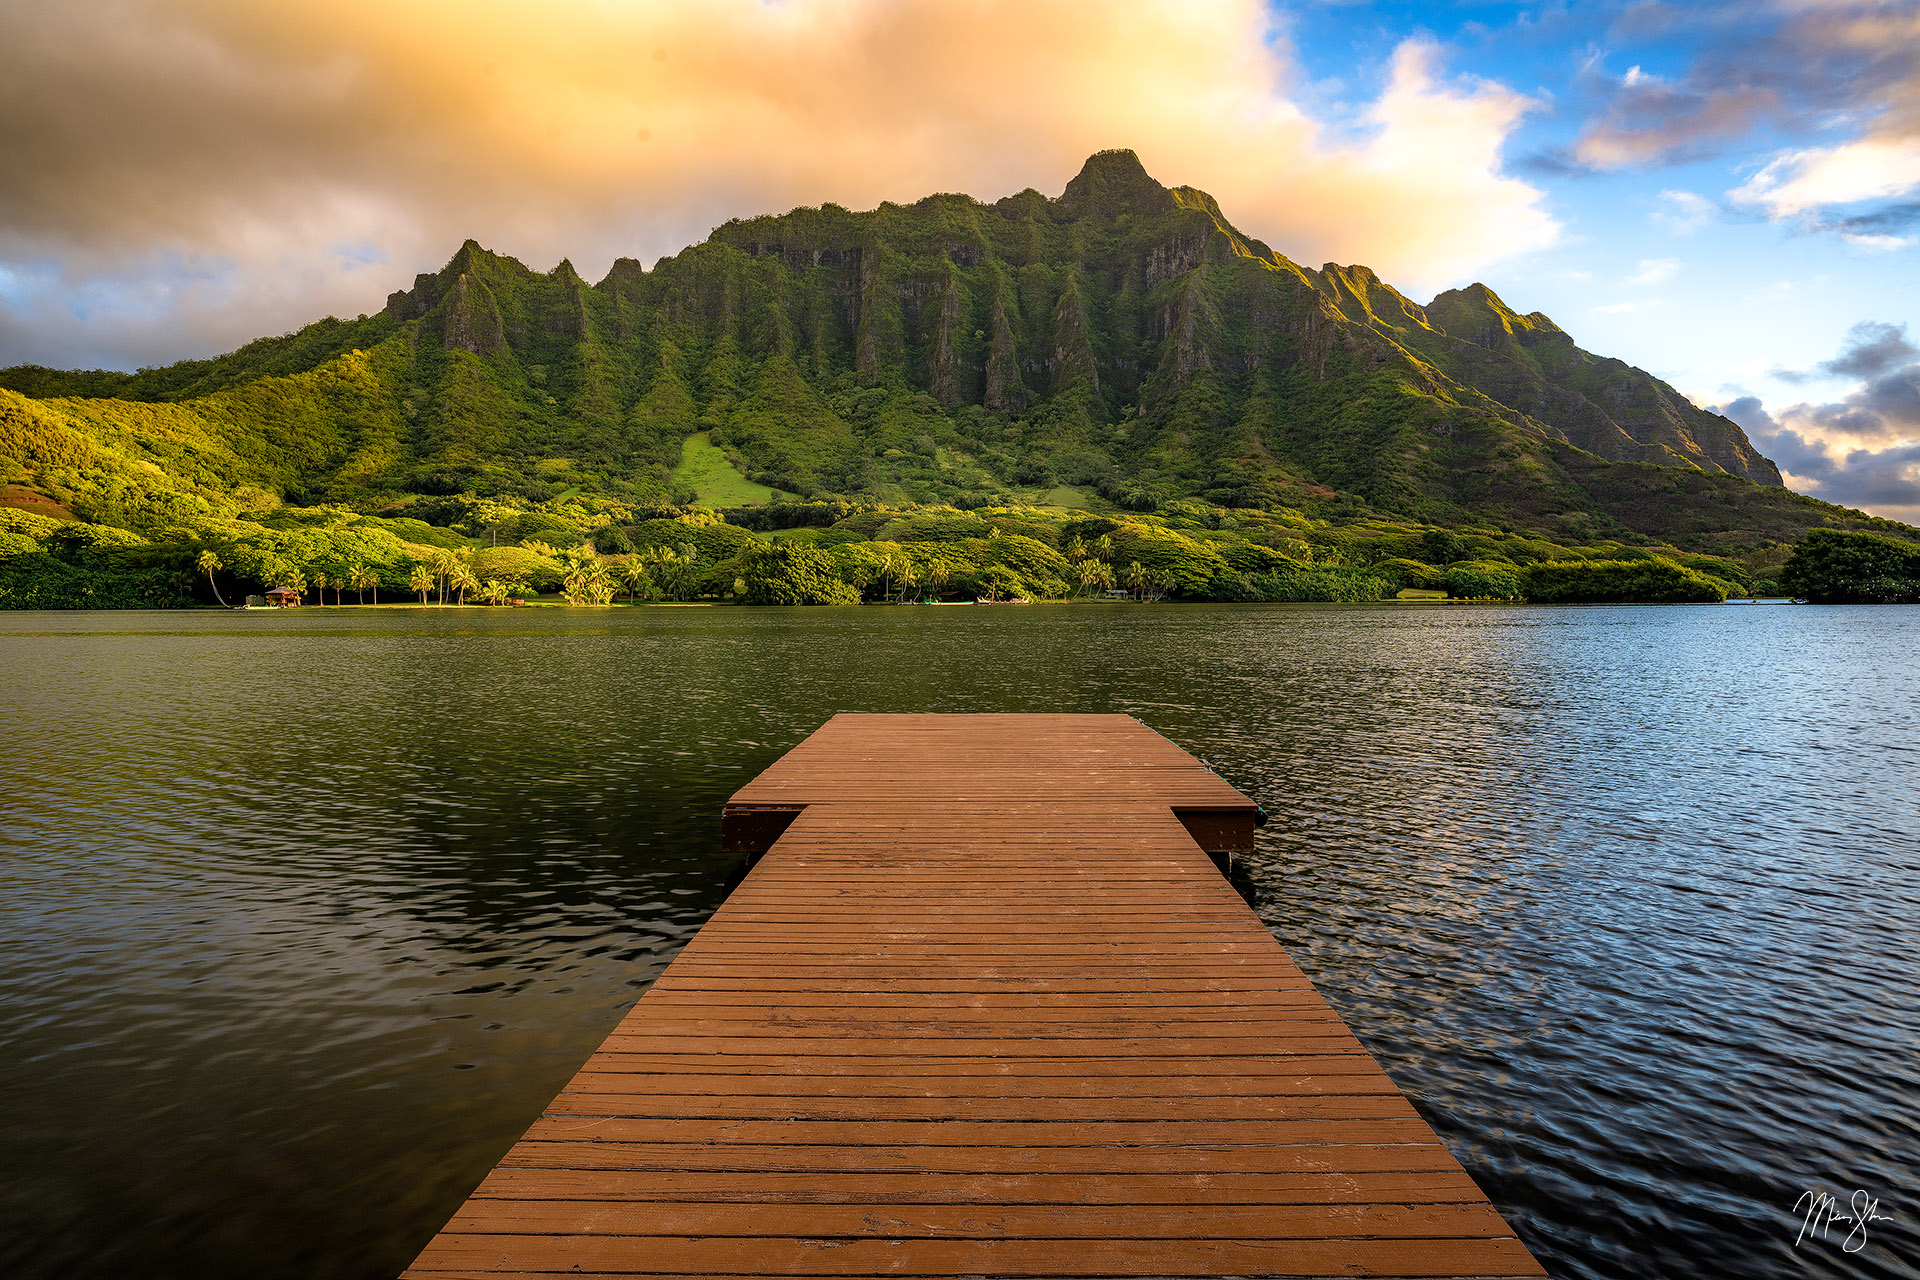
point(282, 597)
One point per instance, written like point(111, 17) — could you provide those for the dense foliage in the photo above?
point(1832, 567)
point(1654, 580)
point(594, 551)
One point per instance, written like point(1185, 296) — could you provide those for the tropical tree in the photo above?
point(493, 591)
point(937, 575)
point(1094, 575)
point(209, 563)
point(421, 580)
point(294, 581)
point(995, 581)
point(443, 564)
point(634, 574)
point(1135, 577)
point(361, 578)
point(461, 579)
point(909, 579)
point(676, 569)
point(587, 580)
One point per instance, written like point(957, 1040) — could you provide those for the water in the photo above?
point(307, 915)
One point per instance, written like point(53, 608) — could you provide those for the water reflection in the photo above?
point(308, 915)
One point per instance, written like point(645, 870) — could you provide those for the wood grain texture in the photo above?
point(984, 1008)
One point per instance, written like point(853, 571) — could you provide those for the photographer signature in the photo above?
point(1823, 1210)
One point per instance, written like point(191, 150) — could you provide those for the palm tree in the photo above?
point(493, 591)
point(362, 578)
point(463, 581)
point(1094, 575)
point(633, 573)
point(443, 563)
point(421, 580)
point(208, 563)
point(1136, 576)
point(587, 580)
point(676, 569)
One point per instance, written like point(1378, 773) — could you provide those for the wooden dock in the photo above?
point(984, 1007)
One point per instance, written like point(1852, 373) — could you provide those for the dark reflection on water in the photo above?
point(306, 916)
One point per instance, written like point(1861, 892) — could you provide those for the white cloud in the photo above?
point(1801, 182)
point(1682, 212)
point(1627, 308)
point(1653, 270)
point(1879, 243)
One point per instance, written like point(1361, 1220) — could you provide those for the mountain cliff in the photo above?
point(1123, 339)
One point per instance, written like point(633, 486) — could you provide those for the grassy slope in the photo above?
point(705, 469)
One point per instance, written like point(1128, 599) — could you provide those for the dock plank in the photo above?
point(984, 1007)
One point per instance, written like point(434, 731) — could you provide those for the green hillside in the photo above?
point(706, 472)
point(1120, 348)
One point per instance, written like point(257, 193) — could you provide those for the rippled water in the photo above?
point(307, 915)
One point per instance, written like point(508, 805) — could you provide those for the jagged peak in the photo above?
point(1114, 182)
point(1195, 198)
point(623, 269)
point(464, 258)
point(1453, 306)
point(1477, 295)
point(475, 259)
point(1351, 273)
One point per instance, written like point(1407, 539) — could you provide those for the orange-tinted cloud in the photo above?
point(214, 163)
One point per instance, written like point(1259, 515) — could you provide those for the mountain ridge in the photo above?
point(1122, 337)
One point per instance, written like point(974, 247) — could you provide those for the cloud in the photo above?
point(1653, 270)
point(192, 166)
point(1682, 212)
point(1879, 244)
point(1862, 450)
point(1828, 86)
point(1651, 121)
point(1795, 66)
point(1799, 182)
point(1872, 349)
point(1627, 308)
point(1882, 222)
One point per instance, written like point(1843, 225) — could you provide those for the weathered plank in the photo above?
point(984, 1007)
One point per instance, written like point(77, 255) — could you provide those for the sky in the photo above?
point(1724, 194)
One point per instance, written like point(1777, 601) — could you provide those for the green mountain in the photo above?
point(1120, 346)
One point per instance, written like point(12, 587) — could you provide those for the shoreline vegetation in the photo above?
point(473, 551)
